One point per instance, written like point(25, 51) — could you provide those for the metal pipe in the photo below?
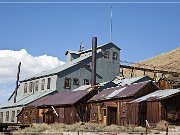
point(94, 51)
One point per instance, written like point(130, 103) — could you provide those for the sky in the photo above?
point(38, 33)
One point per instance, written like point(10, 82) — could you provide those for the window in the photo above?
point(30, 86)
point(12, 116)
point(106, 54)
point(42, 84)
point(48, 83)
point(25, 88)
point(1, 117)
point(18, 111)
point(75, 81)
point(86, 81)
point(7, 116)
point(67, 83)
point(36, 85)
point(115, 56)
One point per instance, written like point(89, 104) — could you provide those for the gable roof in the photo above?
point(27, 100)
point(120, 91)
point(83, 55)
point(90, 50)
point(61, 98)
point(158, 95)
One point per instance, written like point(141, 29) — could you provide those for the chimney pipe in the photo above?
point(17, 80)
point(94, 50)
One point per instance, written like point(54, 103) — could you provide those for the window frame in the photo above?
point(7, 116)
point(76, 81)
point(25, 88)
point(115, 56)
point(30, 87)
point(13, 116)
point(48, 83)
point(69, 83)
point(37, 85)
point(42, 84)
point(86, 82)
point(106, 54)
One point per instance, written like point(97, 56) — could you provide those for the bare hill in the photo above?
point(169, 61)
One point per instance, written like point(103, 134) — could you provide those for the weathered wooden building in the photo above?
point(66, 107)
point(73, 74)
point(110, 105)
point(154, 107)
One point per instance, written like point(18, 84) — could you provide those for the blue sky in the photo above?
point(141, 30)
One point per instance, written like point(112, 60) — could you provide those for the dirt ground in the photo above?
point(90, 133)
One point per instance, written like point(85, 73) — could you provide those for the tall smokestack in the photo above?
point(94, 50)
point(17, 81)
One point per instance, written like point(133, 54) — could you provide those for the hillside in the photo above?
point(169, 61)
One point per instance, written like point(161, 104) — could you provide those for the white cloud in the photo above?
point(10, 59)
point(30, 65)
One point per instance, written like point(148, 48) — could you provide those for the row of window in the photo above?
point(67, 82)
point(35, 85)
point(107, 55)
point(7, 116)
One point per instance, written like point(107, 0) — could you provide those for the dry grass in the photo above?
point(58, 128)
point(167, 61)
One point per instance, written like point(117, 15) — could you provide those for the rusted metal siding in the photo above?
point(164, 84)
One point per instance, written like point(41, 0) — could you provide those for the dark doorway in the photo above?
point(48, 117)
point(111, 115)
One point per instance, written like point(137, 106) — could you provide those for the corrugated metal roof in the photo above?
point(59, 69)
point(126, 81)
point(160, 94)
point(83, 55)
point(61, 98)
point(28, 99)
point(119, 91)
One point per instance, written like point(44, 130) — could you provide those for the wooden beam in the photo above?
point(149, 69)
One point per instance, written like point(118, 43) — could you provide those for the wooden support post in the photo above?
point(144, 72)
point(132, 72)
point(17, 82)
point(147, 126)
point(166, 125)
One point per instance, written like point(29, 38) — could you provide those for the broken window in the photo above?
point(106, 54)
point(25, 88)
point(12, 116)
point(36, 85)
point(86, 82)
point(115, 56)
point(7, 116)
point(42, 84)
point(30, 86)
point(75, 81)
point(49, 83)
point(67, 83)
point(1, 117)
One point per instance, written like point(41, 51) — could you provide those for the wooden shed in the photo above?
point(66, 107)
point(154, 107)
point(110, 105)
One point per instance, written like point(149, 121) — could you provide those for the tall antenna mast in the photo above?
point(111, 26)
